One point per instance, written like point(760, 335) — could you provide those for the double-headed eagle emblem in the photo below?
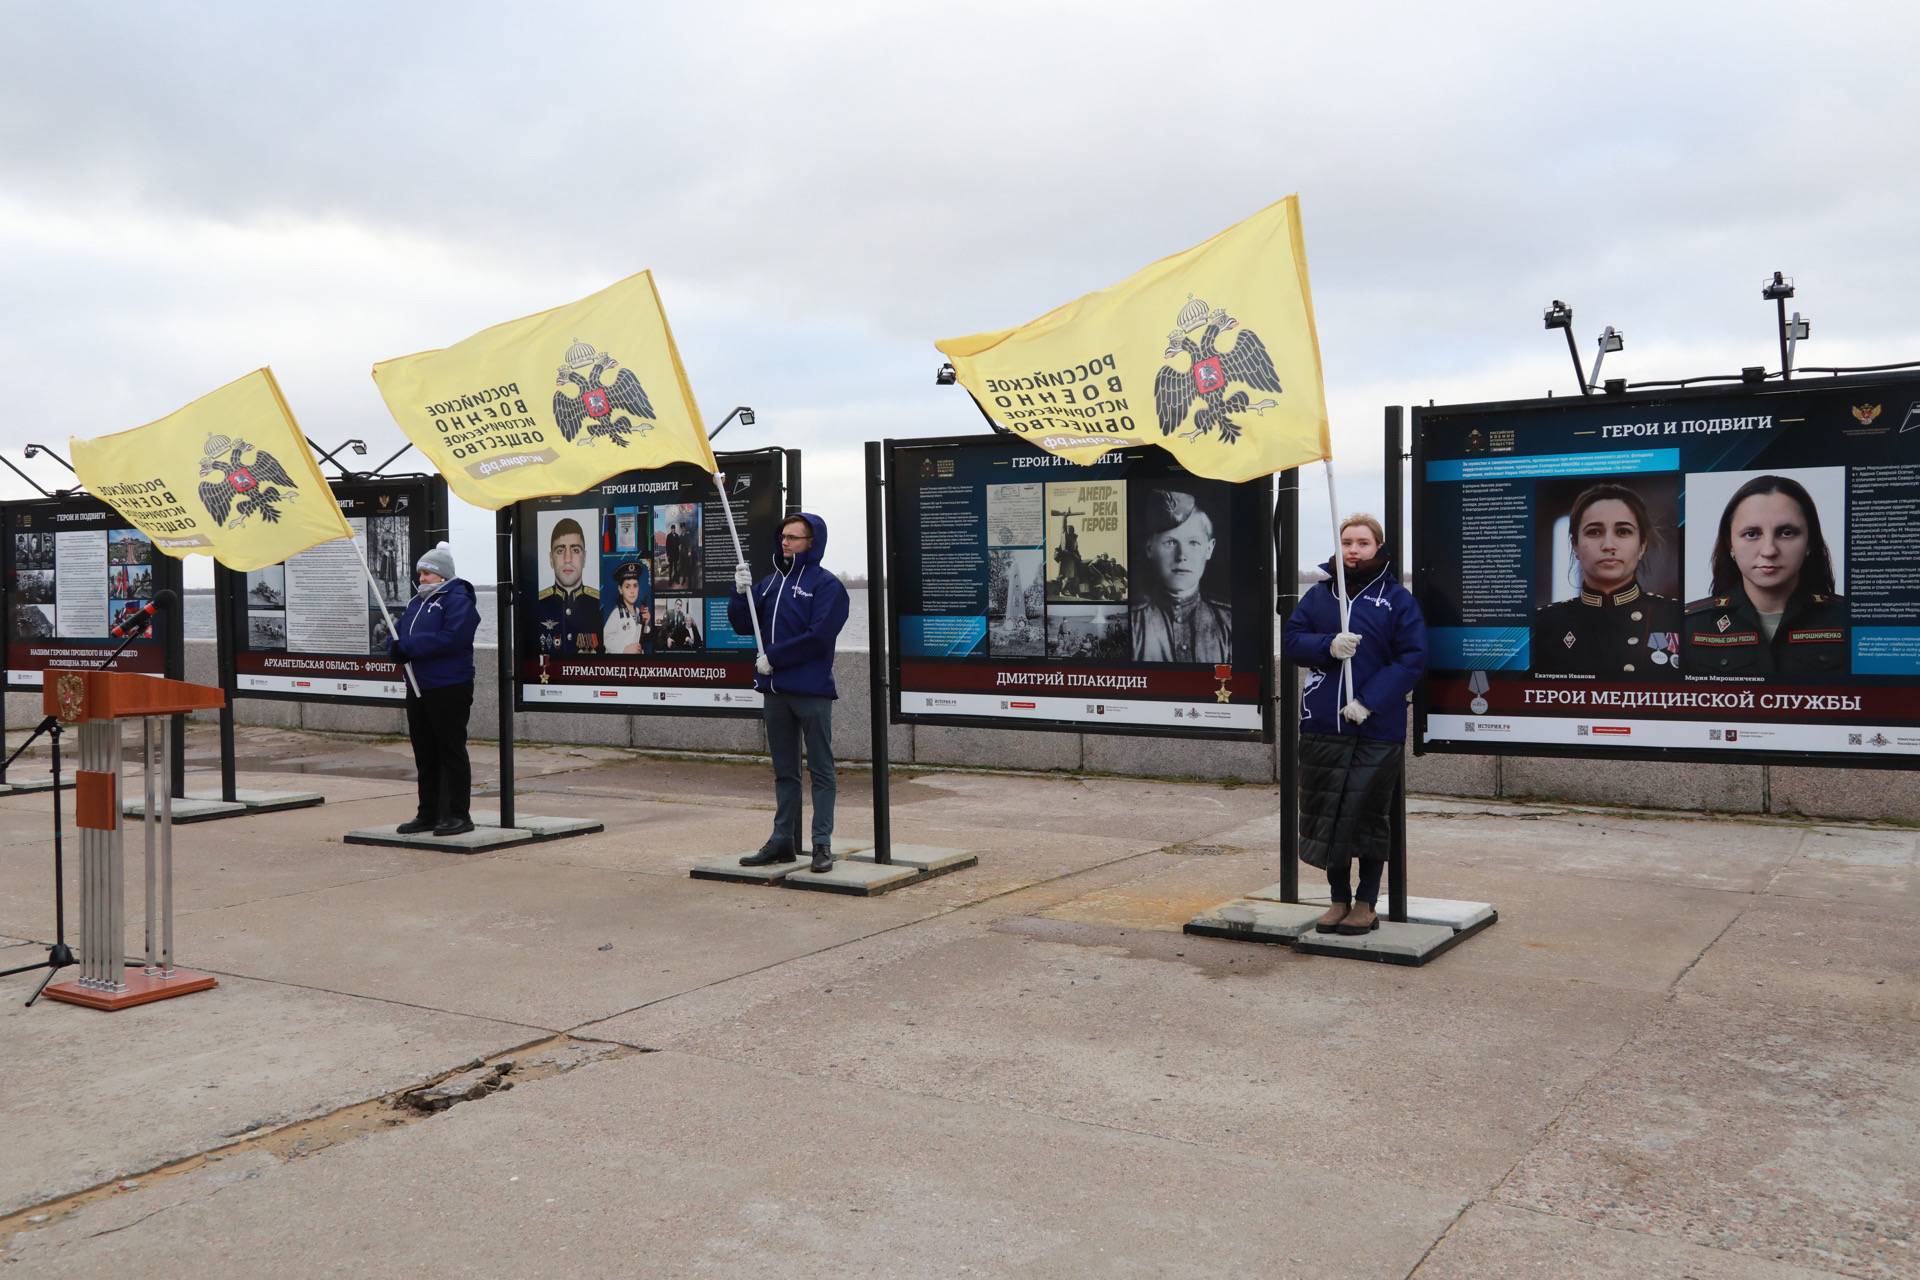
point(1206, 377)
point(242, 488)
point(601, 411)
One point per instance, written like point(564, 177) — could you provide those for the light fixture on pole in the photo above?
point(945, 376)
point(739, 411)
point(1560, 316)
point(1777, 291)
point(1611, 339)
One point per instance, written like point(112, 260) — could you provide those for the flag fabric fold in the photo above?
point(229, 476)
point(1211, 354)
point(554, 403)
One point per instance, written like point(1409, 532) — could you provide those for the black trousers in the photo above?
point(437, 724)
point(1370, 869)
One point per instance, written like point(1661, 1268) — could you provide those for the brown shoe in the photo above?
point(1330, 920)
point(1361, 919)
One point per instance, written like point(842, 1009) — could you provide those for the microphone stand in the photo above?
point(60, 955)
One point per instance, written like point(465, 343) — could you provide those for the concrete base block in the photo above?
point(32, 785)
point(479, 840)
point(189, 809)
point(1254, 920)
point(1449, 912)
point(730, 870)
point(863, 879)
point(1410, 944)
point(923, 857)
point(541, 828)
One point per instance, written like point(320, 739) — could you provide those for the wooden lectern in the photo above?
point(97, 701)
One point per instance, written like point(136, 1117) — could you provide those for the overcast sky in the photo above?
point(190, 191)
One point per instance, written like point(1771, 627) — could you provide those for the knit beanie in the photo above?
point(438, 560)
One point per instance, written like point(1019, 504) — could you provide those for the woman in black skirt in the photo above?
point(1351, 736)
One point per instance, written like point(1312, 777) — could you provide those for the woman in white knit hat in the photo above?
point(436, 643)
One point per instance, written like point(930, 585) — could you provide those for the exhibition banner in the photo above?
point(75, 569)
point(1210, 354)
point(1129, 596)
point(1723, 573)
point(625, 586)
point(554, 403)
point(229, 476)
point(311, 628)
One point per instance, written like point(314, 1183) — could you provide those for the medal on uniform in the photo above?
point(1722, 623)
point(1657, 646)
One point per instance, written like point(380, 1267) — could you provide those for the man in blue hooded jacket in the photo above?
point(802, 608)
point(436, 643)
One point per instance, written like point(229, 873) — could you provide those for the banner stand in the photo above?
point(1412, 931)
point(863, 868)
point(232, 801)
point(505, 827)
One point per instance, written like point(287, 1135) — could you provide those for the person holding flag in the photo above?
point(1353, 724)
point(436, 640)
point(805, 607)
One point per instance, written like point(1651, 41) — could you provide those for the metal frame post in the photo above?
point(166, 861)
point(1396, 542)
point(1286, 569)
point(149, 812)
point(503, 614)
point(879, 695)
point(225, 584)
point(174, 644)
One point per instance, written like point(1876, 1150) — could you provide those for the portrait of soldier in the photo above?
point(1773, 609)
point(1172, 621)
point(628, 622)
point(567, 614)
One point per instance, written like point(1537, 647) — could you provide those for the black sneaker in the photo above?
point(770, 852)
point(822, 859)
point(453, 826)
point(414, 827)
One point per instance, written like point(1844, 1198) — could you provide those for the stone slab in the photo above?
point(543, 828)
point(1252, 920)
point(653, 1165)
point(1452, 913)
point(926, 857)
point(90, 1098)
point(861, 879)
point(189, 808)
point(1406, 944)
point(730, 870)
point(31, 786)
point(482, 839)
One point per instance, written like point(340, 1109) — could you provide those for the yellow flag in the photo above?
point(229, 476)
point(554, 403)
point(1211, 354)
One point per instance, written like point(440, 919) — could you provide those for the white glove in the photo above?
point(1344, 644)
point(1355, 712)
point(742, 579)
point(765, 668)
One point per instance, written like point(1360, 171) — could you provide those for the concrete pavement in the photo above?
point(1688, 1048)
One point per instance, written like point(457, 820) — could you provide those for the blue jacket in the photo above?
point(802, 608)
point(1389, 663)
point(436, 636)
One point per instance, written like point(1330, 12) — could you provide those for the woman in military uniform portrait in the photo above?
point(626, 629)
point(1614, 629)
point(1773, 609)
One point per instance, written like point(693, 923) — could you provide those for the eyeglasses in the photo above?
point(796, 537)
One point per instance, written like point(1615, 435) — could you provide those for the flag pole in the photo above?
point(393, 630)
point(1340, 581)
point(739, 556)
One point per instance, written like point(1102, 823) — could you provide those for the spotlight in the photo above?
point(1778, 289)
point(1557, 316)
point(1797, 327)
point(945, 376)
point(1611, 339)
point(746, 417)
point(359, 447)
